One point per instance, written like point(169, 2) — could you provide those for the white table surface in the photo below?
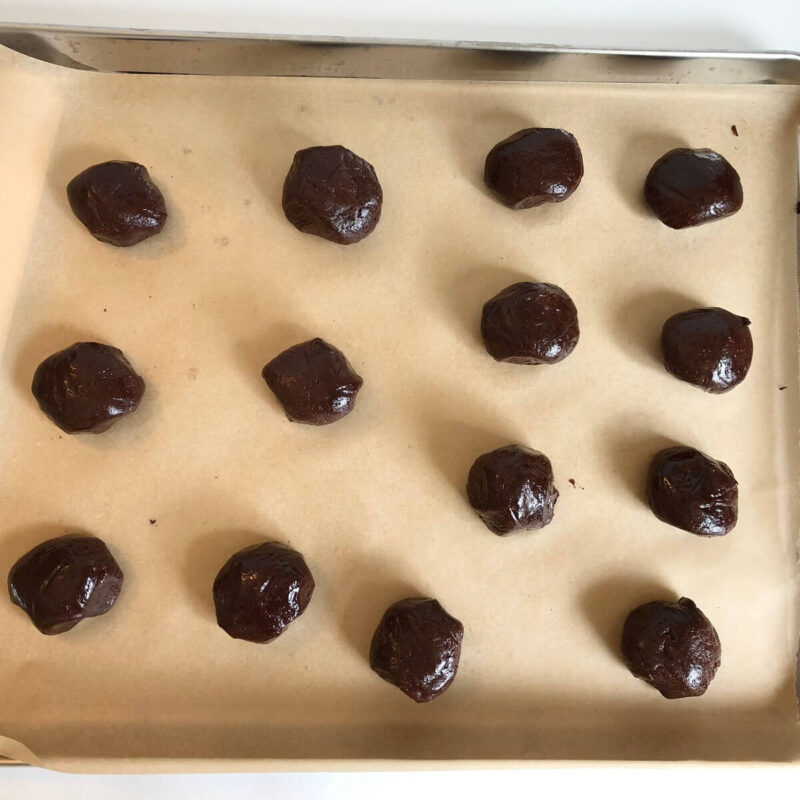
point(678, 24)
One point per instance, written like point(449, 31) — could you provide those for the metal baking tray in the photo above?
point(149, 52)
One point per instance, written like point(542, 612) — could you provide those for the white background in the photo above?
point(687, 24)
point(678, 24)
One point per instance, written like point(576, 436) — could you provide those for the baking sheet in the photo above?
point(376, 502)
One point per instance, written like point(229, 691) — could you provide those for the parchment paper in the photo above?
point(376, 502)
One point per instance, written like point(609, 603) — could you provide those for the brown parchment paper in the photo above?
point(376, 502)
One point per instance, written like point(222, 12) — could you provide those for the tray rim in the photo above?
point(316, 45)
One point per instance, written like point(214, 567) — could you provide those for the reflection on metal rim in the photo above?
point(106, 50)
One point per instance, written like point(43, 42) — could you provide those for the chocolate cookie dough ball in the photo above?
point(512, 489)
point(87, 387)
point(672, 646)
point(690, 187)
point(333, 193)
point(530, 323)
point(417, 647)
point(260, 590)
point(117, 202)
point(65, 580)
point(314, 382)
point(534, 166)
point(707, 347)
point(692, 491)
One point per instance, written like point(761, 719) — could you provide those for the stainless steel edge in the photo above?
point(141, 51)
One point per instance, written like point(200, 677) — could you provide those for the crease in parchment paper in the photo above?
point(376, 502)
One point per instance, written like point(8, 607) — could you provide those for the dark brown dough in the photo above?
point(62, 581)
point(512, 489)
point(690, 187)
point(117, 202)
point(314, 382)
point(333, 193)
point(534, 166)
point(672, 646)
point(87, 387)
point(260, 590)
point(416, 647)
point(692, 491)
point(707, 347)
point(530, 323)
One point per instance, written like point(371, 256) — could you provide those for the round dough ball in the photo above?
point(333, 193)
point(87, 387)
point(691, 187)
point(314, 382)
point(260, 590)
point(707, 347)
point(117, 202)
point(672, 646)
point(692, 491)
point(530, 323)
point(417, 647)
point(65, 580)
point(512, 489)
point(534, 166)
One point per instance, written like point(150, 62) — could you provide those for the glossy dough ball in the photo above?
point(707, 347)
point(512, 489)
point(87, 387)
point(260, 590)
point(417, 647)
point(534, 166)
point(65, 580)
point(117, 202)
point(692, 491)
point(672, 646)
point(333, 193)
point(314, 382)
point(530, 323)
point(691, 187)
